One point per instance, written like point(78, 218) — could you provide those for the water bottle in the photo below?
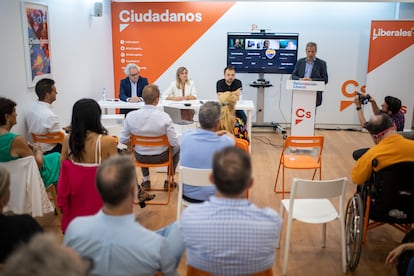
point(104, 94)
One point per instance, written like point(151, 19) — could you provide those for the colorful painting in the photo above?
point(36, 32)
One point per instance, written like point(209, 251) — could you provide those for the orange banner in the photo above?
point(388, 38)
point(154, 35)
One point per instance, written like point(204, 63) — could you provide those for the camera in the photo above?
point(363, 99)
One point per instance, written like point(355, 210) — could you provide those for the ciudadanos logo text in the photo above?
point(131, 16)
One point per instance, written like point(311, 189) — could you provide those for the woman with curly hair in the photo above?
point(228, 120)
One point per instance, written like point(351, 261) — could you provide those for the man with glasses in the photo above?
point(390, 148)
point(131, 87)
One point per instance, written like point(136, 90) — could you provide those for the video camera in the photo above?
point(363, 99)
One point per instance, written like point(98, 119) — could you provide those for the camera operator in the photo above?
point(391, 106)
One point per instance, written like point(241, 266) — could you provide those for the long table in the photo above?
point(246, 105)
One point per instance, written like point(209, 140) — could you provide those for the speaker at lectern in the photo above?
point(303, 106)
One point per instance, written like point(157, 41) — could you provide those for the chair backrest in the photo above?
point(300, 144)
point(146, 141)
point(49, 138)
point(27, 191)
point(193, 177)
point(316, 189)
point(192, 271)
point(243, 144)
point(393, 189)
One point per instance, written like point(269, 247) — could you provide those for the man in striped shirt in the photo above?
point(228, 235)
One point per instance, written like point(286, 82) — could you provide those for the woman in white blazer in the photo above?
point(180, 90)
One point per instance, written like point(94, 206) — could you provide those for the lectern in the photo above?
point(303, 106)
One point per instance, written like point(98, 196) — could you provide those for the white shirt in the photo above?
point(152, 122)
point(133, 88)
point(41, 119)
point(173, 91)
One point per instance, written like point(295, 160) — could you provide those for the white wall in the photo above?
point(340, 29)
point(81, 51)
point(81, 55)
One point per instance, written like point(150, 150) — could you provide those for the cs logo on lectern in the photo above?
point(302, 114)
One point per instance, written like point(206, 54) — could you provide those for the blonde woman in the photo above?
point(228, 120)
point(180, 90)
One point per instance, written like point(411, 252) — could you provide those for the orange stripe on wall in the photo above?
point(154, 35)
point(387, 39)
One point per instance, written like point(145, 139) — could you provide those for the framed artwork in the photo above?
point(36, 41)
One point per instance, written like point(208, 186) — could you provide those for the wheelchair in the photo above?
point(388, 198)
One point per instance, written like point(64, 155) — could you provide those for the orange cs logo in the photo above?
point(302, 114)
point(349, 89)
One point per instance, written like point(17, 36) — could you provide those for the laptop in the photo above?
point(175, 114)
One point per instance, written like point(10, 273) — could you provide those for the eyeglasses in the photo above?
point(134, 75)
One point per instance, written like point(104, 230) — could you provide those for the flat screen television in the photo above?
point(263, 52)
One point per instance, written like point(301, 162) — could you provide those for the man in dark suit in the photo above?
point(131, 87)
point(311, 68)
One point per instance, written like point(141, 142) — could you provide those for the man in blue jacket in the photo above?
point(131, 87)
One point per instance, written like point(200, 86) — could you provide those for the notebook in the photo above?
point(175, 114)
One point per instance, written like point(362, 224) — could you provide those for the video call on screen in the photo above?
point(262, 52)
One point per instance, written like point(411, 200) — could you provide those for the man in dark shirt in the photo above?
point(391, 106)
point(231, 84)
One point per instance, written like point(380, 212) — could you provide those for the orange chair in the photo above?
point(51, 138)
point(158, 141)
point(242, 144)
point(192, 271)
point(300, 152)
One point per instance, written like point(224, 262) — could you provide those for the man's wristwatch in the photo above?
point(128, 99)
point(358, 108)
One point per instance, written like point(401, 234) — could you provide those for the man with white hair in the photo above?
point(131, 87)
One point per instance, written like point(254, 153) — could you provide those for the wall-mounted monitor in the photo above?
point(262, 52)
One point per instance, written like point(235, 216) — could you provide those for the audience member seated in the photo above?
point(14, 229)
point(83, 150)
point(228, 235)
point(14, 146)
point(182, 89)
point(116, 242)
point(44, 255)
point(229, 121)
point(390, 148)
point(41, 118)
point(151, 122)
point(198, 147)
point(391, 107)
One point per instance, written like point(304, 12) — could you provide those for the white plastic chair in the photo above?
point(193, 177)
point(309, 202)
point(27, 191)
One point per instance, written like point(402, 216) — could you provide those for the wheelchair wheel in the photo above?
point(354, 224)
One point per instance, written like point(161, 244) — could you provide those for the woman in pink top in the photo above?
point(83, 150)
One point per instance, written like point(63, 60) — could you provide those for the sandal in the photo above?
point(144, 196)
